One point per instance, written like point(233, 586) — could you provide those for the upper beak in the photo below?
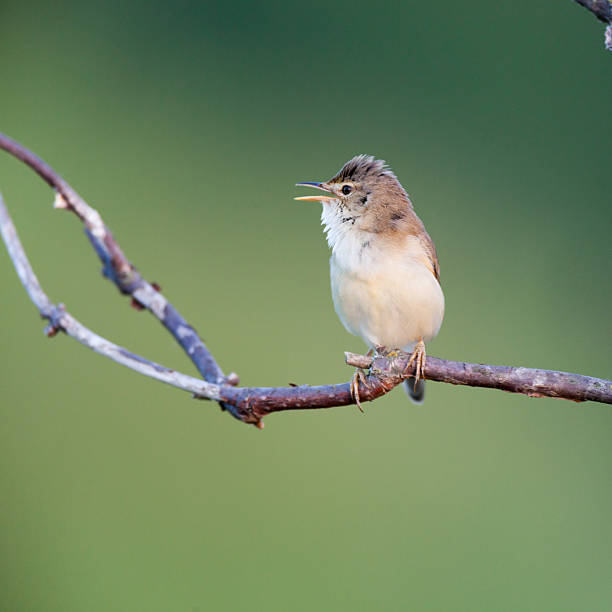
point(320, 198)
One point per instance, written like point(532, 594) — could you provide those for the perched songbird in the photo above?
point(385, 277)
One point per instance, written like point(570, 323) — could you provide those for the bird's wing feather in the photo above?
point(432, 256)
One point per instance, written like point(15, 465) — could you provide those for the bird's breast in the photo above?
point(388, 296)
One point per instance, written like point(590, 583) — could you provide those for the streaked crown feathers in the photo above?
point(362, 167)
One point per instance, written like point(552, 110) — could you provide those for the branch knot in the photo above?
point(55, 320)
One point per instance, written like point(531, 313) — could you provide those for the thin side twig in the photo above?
point(602, 9)
point(60, 320)
point(118, 269)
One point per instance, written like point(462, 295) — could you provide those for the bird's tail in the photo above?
point(415, 392)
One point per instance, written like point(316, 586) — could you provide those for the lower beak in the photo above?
point(320, 198)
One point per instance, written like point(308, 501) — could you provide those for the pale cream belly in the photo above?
point(391, 310)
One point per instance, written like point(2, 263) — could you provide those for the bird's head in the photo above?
point(365, 196)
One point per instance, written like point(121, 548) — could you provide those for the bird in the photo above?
point(384, 270)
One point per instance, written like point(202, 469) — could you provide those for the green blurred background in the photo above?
point(187, 125)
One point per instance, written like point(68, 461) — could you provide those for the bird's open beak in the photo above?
point(320, 198)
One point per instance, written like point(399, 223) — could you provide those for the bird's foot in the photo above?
point(383, 351)
point(419, 358)
point(358, 377)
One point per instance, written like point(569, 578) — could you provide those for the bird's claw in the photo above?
point(358, 376)
point(419, 358)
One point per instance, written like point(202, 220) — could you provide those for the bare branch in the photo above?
point(387, 371)
point(602, 9)
point(60, 320)
point(528, 381)
point(251, 404)
point(118, 269)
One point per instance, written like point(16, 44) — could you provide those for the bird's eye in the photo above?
point(347, 189)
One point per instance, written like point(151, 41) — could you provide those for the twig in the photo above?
point(60, 320)
point(602, 9)
point(251, 404)
point(528, 381)
point(118, 269)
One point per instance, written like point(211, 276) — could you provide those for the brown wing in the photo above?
point(432, 256)
point(401, 219)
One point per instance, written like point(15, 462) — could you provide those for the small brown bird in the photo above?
point(385, 277)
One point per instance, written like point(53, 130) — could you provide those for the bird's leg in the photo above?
point(359, 376)
point(420, 357)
